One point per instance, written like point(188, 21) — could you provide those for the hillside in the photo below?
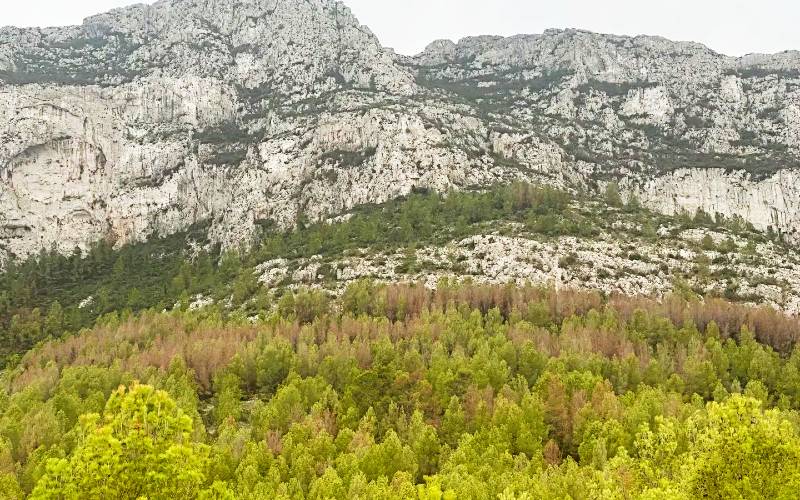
point(248, 253)
point(520, 234)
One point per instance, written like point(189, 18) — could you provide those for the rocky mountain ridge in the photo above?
point(244, 113)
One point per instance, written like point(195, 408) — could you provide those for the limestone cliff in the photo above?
point(148, 119)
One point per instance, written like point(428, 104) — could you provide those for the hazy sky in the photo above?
point(733, 27)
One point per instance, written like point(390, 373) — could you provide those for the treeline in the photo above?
point(428, 217)
point(50, 293)
point(402, 392)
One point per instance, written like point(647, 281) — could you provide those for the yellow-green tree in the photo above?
point(736, 450)
point(140, 447)
point(740, 451)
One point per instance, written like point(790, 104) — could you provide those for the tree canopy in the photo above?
point(469, 391)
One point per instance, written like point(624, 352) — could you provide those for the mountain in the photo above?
point(546, 266)
point(240, 114)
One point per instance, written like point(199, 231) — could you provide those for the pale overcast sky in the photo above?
point(733, 27)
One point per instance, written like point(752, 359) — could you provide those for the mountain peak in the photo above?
point(294, 46)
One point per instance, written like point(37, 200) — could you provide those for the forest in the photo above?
point(401, 392)
point(112, 386)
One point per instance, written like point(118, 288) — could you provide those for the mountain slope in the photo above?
point(519, 234)
point(148, 119)
point(682, 126)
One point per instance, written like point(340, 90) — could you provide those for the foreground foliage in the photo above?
point(399, 392)
point(140, 448)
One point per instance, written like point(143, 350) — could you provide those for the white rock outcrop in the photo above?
point(148, 119)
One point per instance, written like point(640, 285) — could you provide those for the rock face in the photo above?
point(236, 113)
